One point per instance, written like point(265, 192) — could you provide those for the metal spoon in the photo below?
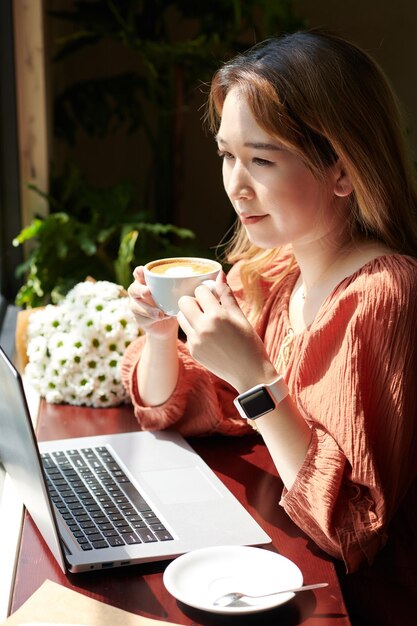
point(234, 597)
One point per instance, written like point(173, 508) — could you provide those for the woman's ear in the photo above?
point(343, 185)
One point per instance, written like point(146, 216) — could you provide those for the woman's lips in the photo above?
point(251, 219)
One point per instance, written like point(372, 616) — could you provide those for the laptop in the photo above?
point(116, 500)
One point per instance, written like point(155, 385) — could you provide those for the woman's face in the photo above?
point(275, 195)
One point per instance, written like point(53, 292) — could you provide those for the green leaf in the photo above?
point(29, 232)
point(125, 257)
point(105, 234)
point(87, 244)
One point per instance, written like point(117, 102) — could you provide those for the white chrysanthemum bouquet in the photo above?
point(75, 348)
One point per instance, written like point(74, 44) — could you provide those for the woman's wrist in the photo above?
point(288, 438)
point(261, 399)
point(265, 376)
point(163, 331)
point(158, 369)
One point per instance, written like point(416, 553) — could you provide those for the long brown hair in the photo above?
point(328, 99)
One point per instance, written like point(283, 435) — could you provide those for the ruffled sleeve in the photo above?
point(200, 404)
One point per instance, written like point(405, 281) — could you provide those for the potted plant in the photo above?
point(90, 232)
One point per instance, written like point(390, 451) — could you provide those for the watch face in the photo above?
point(256, 403)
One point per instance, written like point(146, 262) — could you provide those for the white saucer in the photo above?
point(199, 577)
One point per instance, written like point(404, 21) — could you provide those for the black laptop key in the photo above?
point(114, 517)
point(104, 525)
point(88, 524)
point(88, 453)
point(71, 499)
point(73, 526)
point(81, 516)
point(86, 546)
point(163, 535)
point(94, 538)
point(92, 507)
point(79, 462)
point(97, 515)
point(149, 515)
point(138, 524)
point(133, 516)
point(110, 533)
point(60, 484)
point(121, 523)
point(73, 506)
point(112, 489)
point(121, 479)
point(86, 497)
point(100, 544)
point(131, 538)
point(47, 461)
point(146, 535)
point(157, 526)
point(115, 541)
point(80, 537)
point(73, 453)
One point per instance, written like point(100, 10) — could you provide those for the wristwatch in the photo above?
point(261, 399)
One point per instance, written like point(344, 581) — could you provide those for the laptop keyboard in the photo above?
point(98, 502)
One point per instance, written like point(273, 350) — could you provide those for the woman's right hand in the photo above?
point(148, 316)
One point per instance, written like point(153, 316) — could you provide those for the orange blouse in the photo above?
point(352, 374)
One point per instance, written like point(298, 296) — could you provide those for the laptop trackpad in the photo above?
point(181, 485)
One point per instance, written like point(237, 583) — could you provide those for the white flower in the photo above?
point(75, 348)
point(37, 349)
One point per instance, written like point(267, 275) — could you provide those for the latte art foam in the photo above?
point(184, 270)
point(179, 268)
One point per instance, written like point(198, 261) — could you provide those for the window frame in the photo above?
point(10, 215)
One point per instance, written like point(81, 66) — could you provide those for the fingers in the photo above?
point(190, 310)
point(140, 295)
point(184, 324)
point(138, 274)
point(206, 308)
point(211, 284)
point(226, 295)
point(142, 303)
point(208, 300)
point(206, 295)
point(138, 290)
point(221, 283)
point(219, 289)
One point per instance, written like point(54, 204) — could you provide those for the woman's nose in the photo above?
point(237, 185)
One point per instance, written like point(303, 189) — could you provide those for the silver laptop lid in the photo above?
point(20, 456)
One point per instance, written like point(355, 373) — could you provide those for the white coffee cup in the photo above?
point(169, 279)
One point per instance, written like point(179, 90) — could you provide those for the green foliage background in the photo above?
point(177, 44)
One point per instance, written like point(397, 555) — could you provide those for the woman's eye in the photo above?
point(262, 162)
point(224, 155)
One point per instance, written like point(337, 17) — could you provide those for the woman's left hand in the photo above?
point(221, 338)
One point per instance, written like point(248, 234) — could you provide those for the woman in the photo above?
point(323, 292)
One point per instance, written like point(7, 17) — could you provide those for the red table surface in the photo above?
point(246, 468)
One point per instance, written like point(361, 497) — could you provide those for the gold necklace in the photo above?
point(302, 287)
point(301, 290)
